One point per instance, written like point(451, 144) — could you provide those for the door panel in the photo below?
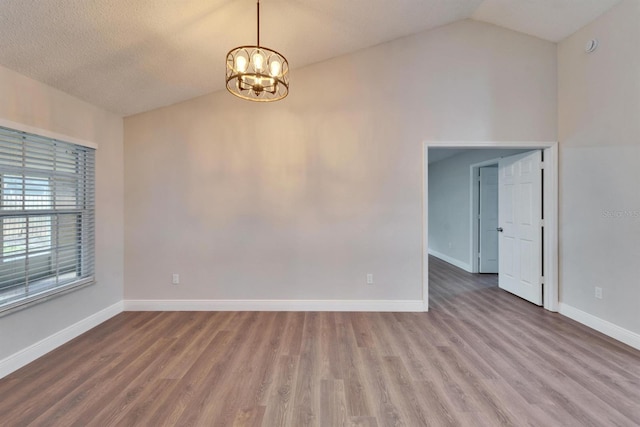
point(520, 211)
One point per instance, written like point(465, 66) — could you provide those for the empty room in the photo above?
point(320, 213)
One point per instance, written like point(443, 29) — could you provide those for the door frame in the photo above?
point(550, 210)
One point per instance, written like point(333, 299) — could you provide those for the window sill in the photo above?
point(11, 306)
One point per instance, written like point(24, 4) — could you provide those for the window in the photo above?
point(47, 217)
point(17, 237)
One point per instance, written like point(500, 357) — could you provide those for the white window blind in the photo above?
point(47, 209)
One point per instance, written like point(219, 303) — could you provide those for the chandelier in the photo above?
point(257, 73)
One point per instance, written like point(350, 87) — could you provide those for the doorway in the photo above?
point(548, 233)
point(485, 225)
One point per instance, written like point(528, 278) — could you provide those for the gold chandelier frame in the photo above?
point(257, 73)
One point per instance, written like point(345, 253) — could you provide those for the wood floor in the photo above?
point(480, 357)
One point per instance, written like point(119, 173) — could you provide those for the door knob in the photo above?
point(500, 229)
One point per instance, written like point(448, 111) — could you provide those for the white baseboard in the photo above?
point(275, 305)
point(23, 357)
point(460, 264)
point(614, 331)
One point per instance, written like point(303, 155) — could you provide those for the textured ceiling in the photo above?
point(548, 19)
point(130, 56)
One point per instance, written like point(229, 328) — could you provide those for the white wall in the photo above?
point(450, 204)
point(599, 117)
point(32, 103)
point(300, 199)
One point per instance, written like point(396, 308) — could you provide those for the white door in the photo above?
point(488, 220)
point(520, 215)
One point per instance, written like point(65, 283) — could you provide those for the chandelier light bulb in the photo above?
point(241, 64)
point(274, 68)
point(258, 61)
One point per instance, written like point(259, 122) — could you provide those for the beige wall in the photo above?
point(300, 199)
point(599, 131)
point(32, 103)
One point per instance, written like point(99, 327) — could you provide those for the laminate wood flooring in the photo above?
point(480, 357)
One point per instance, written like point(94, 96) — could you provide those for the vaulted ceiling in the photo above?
point(130, 56)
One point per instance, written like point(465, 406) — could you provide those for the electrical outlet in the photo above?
point(598, 293)
point(175, 279)
point(369, 279)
